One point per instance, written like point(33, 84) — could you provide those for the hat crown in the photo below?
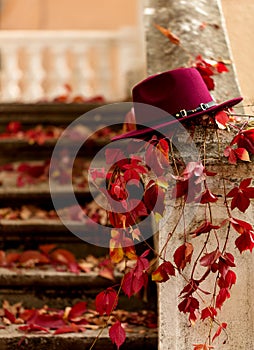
point(171, 91)
point(165, 99)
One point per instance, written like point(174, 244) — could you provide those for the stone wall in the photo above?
point(184, 17)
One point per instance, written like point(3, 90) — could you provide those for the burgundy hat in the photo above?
point(181, 93)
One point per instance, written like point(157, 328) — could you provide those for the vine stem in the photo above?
point(113, 307)
point(225, 199)
point(210, 212)
point(170, 234)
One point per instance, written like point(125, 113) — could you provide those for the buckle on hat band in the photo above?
point(202, 107)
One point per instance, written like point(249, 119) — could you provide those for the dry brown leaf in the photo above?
point(168, 34)
point(107, 273)
point(91, 326)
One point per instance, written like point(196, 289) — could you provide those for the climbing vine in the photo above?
point(204, 259)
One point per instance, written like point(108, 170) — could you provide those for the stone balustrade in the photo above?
point(39, 65)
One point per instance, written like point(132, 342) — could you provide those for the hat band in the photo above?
point(202, 107)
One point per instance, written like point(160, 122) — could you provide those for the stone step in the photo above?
point(49, 277)
point(13, 148)
point(36, 287)
point(58, 113)
point(49, 231)
point(40, 196)
point(136, 338)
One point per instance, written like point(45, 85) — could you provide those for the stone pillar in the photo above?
point(184, 19)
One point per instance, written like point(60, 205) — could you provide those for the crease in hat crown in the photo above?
point(181, 93)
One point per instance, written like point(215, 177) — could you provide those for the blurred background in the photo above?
point(86, 48)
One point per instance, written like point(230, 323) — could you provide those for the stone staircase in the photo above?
point(57, 287)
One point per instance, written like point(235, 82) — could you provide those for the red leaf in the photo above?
point(183, 255)
point(189, 289)
point(162, 273)
point(221, 67)
point(208, 312)
point(72, 328)
point(106, 301)
point(220, 328)
point(230, 153)
point(154, 197)
point(14, 127)
point(222, 119)
point(47, 248)
point(189, 305)
point(51, 321)
point(245, 241)
point(116, 250)
point(233, 154)
point(143, 255)
point(9, 315)
point(155, 158)
point(63, 256)
point(230, 279)
point(202, 347)
point(245, 139)
point(206, 197)
point(114, 155)
point(228, 259)
point(210, 258)
point(207, 79)
point(241, 195)
point(2, 258)
point(33, 256)
point(240, 226)
point(33, 328)
point(77, 310)
point(207, 226)
point(117, 334)
point(246, 183)
point(7, 167)
point(12, 258)
point(221, 297)
point(206, 72)
point(132, 282)
point(23, 167)
point(131, 174)
point(106, 269)
point(242, 154)
point(209, 173)
point(150, 195)
point(28, 314)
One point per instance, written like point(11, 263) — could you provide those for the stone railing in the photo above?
point(43, 65)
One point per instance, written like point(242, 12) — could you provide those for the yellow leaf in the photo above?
point(156, 276)
point(130, 252)
point(116, 254)
point(157, 217)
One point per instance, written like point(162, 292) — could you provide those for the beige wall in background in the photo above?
point(239, 16)
point(68, 14)
point(112, 14)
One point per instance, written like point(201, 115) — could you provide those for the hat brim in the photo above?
point(148, 130)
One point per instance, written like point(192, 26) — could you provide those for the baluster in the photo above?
point(131, 62)
point(33, 74)
point(104, 71)
point(58, 73)
point(10, 74)
point(82, 73)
